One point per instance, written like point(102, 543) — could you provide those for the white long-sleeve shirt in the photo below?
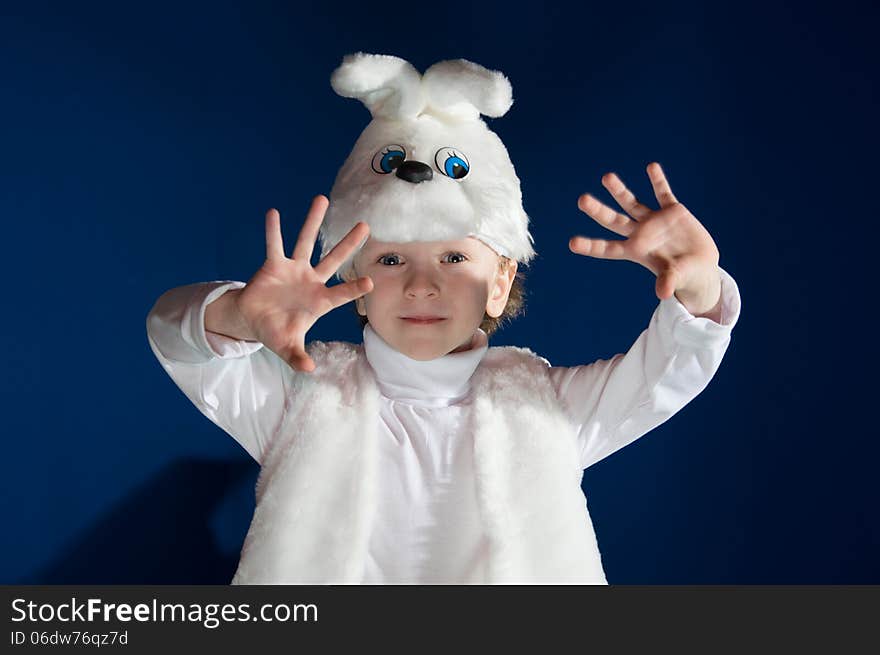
point(428, 529)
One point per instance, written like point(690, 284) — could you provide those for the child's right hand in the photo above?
point(287, 296)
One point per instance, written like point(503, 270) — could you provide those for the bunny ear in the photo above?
point(388, 86)
point(463, 88)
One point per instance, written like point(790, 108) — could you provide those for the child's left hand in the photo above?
point(669, 242)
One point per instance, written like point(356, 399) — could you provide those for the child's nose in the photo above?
point(421, 285)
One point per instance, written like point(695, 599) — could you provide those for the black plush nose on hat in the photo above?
point(414, 171)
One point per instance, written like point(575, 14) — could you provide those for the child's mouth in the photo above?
point(423, 321)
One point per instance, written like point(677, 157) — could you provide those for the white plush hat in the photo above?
point(427, 168)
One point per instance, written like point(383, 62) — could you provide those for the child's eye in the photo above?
point(394, 260)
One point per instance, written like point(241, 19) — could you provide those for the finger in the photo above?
point(625, 197)
point(661, 185)
point(614, 221)
point(299, 360)
point(274, 240)
point(334, 259)
point(348, 291)
point(600, 248)
point(305, 244)
point(304, 364)
point(666, 283)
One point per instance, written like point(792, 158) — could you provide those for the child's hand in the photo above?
point(287, 296)
point(669, 242)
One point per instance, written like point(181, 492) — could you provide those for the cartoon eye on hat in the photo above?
point(452, 163)
point(388, 158)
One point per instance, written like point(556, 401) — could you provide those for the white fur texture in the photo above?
point(317, 490)
point(428, 115)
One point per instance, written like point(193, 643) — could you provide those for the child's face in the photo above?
point(455, 280)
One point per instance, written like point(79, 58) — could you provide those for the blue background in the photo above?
point(143, 146)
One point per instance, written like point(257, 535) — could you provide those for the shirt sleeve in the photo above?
point(239, 385)
point(613, 402)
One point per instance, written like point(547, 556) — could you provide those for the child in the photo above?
point(423, 455)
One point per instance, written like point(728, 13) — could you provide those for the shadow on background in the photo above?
point(186, 525)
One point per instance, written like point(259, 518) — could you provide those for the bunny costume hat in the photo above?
point(427, 168)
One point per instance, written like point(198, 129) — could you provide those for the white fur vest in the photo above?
point(316, 493)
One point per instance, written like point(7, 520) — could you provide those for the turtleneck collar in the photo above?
point(435, 383)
